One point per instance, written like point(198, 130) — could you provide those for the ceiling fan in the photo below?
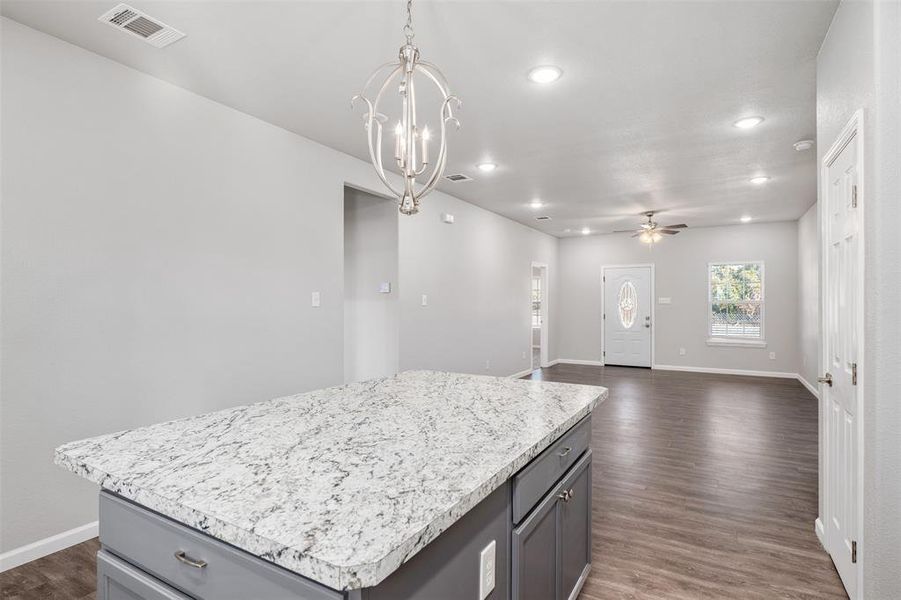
point(651, 232)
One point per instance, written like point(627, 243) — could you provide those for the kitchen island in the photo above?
point(391, 488)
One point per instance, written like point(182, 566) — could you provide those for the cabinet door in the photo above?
point(118, 580)
point(575, 529)
point(535, 554)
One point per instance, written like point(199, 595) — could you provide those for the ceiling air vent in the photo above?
point(155, 33)
point(458, 177)
point(543, 218)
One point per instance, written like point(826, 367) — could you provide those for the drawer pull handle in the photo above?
point(565, 452)
point(182, 557)
point(566, 495)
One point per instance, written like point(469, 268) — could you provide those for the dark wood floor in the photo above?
point(705, 486)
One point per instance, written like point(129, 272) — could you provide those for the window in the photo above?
point(536, 302)
point(628, 305)
point(735, 302)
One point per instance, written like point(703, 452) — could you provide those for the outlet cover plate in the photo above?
point(487, 568)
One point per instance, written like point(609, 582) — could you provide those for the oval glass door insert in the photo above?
point(628, 304)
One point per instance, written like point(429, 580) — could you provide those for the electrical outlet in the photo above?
point(486, 570)
point(772, 356)
point(523, 354)
point(681, 351)
point(315, 299)
point(487, 364)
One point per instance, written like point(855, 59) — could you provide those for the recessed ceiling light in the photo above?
point(746, 219)
point(748, 122)
point(585, 231)
point(545, 74)
point(567, 230)
point(536, 204)
point(803, 145)
point(486, 167)
point(759, 180)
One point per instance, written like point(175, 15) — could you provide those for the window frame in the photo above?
point(737, 340)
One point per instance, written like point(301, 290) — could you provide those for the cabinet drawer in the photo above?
point(536, 478)
point(118, 580)
point(150, 542)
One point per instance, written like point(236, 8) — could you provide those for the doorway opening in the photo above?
point(538, 332)
point(371, 306)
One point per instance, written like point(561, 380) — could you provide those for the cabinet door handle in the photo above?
point(565, 452)
point(182, 557)
point(566, 495)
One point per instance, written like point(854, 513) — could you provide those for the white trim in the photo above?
point(762, 303)
point(853, 131)
point(54, 543)
point(810, 388)
point(821, 532)
point(521, 374)
point(736, 342)
point(779, 374)
point(576, 361)
point(650, 266)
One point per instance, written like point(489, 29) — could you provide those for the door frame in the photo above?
point(544, 336)
point(604, 269)
point(853, 132)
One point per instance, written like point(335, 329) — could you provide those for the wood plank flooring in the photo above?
point(705, 486)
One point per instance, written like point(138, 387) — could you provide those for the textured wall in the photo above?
point(681, 274)
point(159, 251)
point(859, 67)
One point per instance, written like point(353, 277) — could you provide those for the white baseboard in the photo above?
point(810, 388)
point(575, 361)
point(521, 374)
point(821, 533)
point(41, 548)
point(779, 374)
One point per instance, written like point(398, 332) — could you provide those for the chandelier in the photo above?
point(411, 141)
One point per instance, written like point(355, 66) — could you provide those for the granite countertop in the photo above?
point(341, 485)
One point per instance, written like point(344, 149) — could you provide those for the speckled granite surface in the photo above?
point(341, 485)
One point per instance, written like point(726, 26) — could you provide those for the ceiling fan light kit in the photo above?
point(411, 142)
point(650, 232)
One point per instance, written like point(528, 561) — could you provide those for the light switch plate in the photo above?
point(385, 287)
point(315, 300)
point(487, 568)
point(664, 300)
point(425, 300)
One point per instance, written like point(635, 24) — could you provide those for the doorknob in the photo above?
point(827, 379)
point(647, 321)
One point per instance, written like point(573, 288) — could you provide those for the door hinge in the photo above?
point(853, 552)
point(853, 196)
point(853, 373)
point(604, 353)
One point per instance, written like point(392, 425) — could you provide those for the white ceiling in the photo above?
point(642, 118)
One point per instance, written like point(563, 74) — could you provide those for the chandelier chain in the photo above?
point(408, 28)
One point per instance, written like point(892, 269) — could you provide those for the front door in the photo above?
point(627, 316)
point(841, 224)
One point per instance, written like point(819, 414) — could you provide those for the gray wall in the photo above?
point(371, 318)
point(681, 274)
point(159, 251)
point(859, 66)
point(809, 296)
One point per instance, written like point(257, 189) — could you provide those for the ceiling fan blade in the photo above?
point(624, 231)
point(635, 235)
point(679, 226)
point(668, 231)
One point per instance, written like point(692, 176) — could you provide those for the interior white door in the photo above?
point(841, 286)
point(627, 316)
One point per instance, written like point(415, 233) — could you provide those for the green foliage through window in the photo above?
point(736, 300)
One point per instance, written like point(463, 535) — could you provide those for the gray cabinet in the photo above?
point(551, 550)
point(118, 580)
